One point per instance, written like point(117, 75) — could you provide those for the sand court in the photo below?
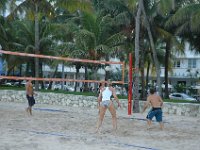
point(56, 127)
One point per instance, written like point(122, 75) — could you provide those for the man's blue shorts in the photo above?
point(31, 100)
point(157, 112)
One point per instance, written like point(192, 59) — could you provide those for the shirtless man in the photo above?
point(104, 102)
point(156, 102)
point(29, 96)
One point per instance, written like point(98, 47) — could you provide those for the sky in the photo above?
point(17, 3)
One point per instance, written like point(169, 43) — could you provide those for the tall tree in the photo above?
point(186, 22)
point(35, 9)
point(96, 38)
point(137, 49)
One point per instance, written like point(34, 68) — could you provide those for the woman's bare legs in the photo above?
point(102, 111)
point(114, 116)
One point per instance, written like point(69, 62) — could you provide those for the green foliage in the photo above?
point(180, 101)
point(192, 91)
point(180, 88)
point(95, 29)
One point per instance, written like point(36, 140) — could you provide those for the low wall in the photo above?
point(183, 109)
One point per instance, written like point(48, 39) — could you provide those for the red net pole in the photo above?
point(130, 85)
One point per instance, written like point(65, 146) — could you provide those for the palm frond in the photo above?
point(195, 23)
point(3, 35)
point(183, 15)
point(3, 6)
point(75, 5)
point(85, 39)
point(28, 6)
point(132, 5)
point(163, 33)
point(90, 23)
point(102, 48)
point(165, 6)
point(29, 49)
point(115, 40)
point(25, 31)
point(123, 18)
point(184, 28)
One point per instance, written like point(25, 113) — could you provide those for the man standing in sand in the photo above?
point(29, 96)
point(104, 102)
point(156, 102)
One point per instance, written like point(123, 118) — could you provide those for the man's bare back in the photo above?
point(29, 96)
point(29, 88)
point(155, 100)
point(156, 111)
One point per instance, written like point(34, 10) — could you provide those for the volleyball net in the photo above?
point(103, 65)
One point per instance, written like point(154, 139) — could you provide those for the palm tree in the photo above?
point(123, 14)
point(185, 21)
point(147, 25)
point(137, 41)
point(96, 38)
point(153, 48)
point(3, 7)
point(9, 41)
point(156, 31)
point(34, 9)
point(67, 17)
point(74, 6)
point(164, 11)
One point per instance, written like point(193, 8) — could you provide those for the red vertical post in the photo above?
point(130, 85)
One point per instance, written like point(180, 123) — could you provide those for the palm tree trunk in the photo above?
point(63, 76)
point(86, 88)
point(10, 69)
point(76, 76)
point(36, 46)
point(142, 96)
point(147, 75)
point(137, 47)
point(166, 68)
point(20, 70)
point(157, 65)
point(95, 78)
point(41, 73)
point(54, 75)
point(27, 68)
point(107, 73)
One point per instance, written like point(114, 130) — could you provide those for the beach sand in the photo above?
point(63, 128)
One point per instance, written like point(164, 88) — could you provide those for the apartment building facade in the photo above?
point(186, 68)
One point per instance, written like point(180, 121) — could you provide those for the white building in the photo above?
point(186, 68)
point(70, 73)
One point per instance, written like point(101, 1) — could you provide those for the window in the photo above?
point(71, 76)
point(176, 95)
point(192, 63)
point(177, 64)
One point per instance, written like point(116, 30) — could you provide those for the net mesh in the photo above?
point(64, 69)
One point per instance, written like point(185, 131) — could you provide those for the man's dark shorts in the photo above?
point(31, 100)
point(157, 112)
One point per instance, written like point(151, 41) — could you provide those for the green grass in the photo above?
point(180, 101)
point(7, 87)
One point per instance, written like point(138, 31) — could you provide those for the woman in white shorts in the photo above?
point(104, 102)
